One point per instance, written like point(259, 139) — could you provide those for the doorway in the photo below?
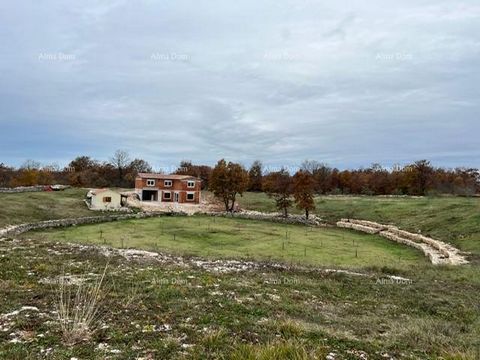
point(149, 195)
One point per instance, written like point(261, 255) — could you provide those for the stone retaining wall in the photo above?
point(35, 188)
point(22, 189)
point(275, 217)
point(14, 230)
point(22, 228)
point(437, 251)
point(416, 245)
point(364, 223)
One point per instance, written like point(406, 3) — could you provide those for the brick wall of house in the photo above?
point(177, 185)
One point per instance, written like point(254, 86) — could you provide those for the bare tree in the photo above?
point(120, 161)
point(30, 165)
point(255, 174)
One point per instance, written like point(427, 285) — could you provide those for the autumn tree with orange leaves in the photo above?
point(278, 185)
point(227, 181)
point(304, 191)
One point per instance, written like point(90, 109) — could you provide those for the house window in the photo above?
point(107, 199)
point(167, 183)
point(190, 196)
point(191, 184)
point(150, 182)
point(167, 195)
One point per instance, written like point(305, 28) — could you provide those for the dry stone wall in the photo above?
point(14, 230)
point(22, 189)
point(275, 217)
point(35, 188)
point(437, 251)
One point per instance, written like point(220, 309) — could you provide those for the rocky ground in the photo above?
point(158, 306)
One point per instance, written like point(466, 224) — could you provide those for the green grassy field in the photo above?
point(39, 206)
point(160, 311)
point(218, 237)
point(172, 311)
point(452, 219)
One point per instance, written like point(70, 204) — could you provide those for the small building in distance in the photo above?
point(183, 189)
point(103, 199)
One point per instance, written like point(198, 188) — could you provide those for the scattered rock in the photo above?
point(16, 312)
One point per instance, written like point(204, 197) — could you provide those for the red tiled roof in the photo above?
point(166, 177)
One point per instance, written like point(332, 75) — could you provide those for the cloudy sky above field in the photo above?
point(343, 82)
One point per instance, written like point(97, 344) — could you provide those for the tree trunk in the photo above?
point(233, 203)
point(285, 212)
point(306, 214)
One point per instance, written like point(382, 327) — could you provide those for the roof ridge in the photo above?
point(166, 176)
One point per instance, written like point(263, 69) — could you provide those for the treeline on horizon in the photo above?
point(418, 178)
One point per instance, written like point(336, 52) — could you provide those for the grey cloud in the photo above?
point(345, 82)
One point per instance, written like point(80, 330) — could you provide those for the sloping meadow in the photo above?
point(151, 309)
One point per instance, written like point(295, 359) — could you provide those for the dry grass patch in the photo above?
point(77, 309)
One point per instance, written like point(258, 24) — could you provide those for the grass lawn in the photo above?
point(154, 311)
point(171, 311)
point(39, 206)
point(452, 219)
point(218, 237)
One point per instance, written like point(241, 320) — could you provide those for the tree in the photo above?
point(379, 180)
point(120, 161)
point(30, 165)
point(185, 168)
point(310, 166)
point(228, 180)
point(6, 175)
point(201, 171)
point(82, 163)
point(255, 176)
point(139, 166)
point(136, 166)
point(303, 191)
point(278, 185)
point(321, 173)
point(423, 172)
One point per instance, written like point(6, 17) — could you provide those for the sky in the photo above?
point(347, 83)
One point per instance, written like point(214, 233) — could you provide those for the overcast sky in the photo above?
point(348, 83)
